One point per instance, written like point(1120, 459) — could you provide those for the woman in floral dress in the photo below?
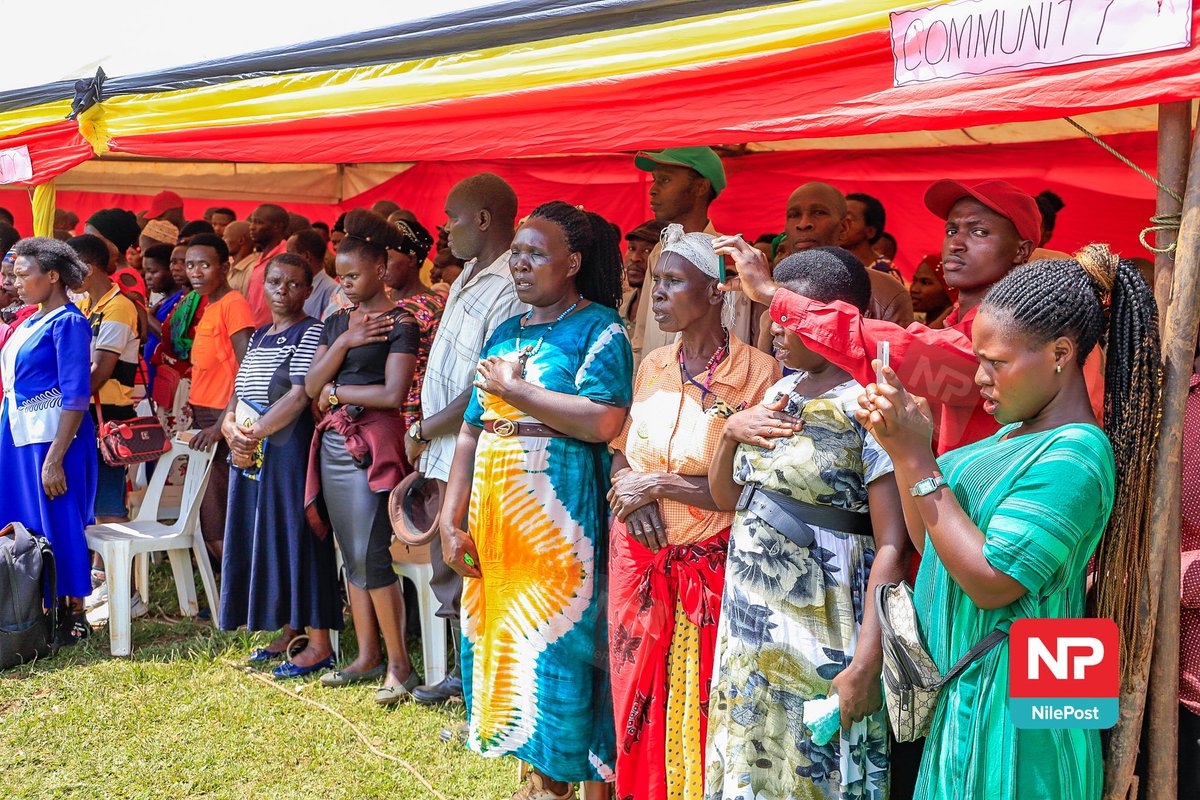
point(796, 623)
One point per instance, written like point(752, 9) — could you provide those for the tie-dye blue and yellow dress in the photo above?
point(535, 649)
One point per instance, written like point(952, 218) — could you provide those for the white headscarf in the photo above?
point(698, 250)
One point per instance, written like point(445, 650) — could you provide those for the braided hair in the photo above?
point(1048, 299)
point(369, 234)
point(590, 235)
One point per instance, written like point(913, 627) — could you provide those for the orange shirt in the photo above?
point(214, 362)
point(675, 427)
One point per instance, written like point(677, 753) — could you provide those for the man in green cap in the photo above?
point(686, 181)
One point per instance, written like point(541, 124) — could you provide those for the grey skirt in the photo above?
point(358, 516)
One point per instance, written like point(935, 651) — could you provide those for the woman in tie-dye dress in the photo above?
point(531, 466)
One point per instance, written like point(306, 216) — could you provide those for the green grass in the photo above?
point(174, 720)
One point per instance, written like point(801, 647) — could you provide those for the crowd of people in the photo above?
point(672, 464)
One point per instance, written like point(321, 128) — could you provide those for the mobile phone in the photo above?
point(721, 268)
point(885, 360)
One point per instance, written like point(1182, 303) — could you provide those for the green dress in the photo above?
point(1042, 501)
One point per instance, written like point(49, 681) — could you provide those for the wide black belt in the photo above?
point(794, 519)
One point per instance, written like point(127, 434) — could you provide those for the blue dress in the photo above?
point(534, 627)
point(46, 369)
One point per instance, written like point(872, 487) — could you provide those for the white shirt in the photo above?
point(479, 301)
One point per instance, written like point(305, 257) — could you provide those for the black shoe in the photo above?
point(450, 690)
point(74, 628)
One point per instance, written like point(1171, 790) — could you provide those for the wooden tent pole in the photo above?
point(1174, 134)
point(1182, 315)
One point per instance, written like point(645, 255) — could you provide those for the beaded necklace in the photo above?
point(716, 358)
point(530, 350)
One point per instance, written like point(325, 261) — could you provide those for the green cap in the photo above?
point(702, 159)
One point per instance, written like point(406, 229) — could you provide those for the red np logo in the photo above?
point(1064, 673)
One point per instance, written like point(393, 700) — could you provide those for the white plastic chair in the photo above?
point(413, 563)
point(119, 543)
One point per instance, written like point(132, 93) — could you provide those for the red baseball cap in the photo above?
point(163, 201)
point(1008, 201)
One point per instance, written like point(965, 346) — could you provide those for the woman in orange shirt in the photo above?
point(222, 336)
point(668, 547)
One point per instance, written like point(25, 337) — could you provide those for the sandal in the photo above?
point(390, 695)
point(535, 789)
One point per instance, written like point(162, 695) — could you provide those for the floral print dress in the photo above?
point(790, 617)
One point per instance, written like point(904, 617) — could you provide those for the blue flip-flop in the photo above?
point(287, 670)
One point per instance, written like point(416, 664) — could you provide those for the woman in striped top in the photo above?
point(276, 573)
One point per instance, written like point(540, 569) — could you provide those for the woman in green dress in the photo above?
point(1010, 532)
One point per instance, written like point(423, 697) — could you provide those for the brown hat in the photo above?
point(413, 507)
point(648, 231)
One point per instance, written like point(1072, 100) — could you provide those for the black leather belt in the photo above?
point(794, 519)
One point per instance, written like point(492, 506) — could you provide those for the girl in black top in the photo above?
point(360, 377)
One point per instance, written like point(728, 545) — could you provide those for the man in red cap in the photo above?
point(990, 228)
point(641, 242)
point(166, 205)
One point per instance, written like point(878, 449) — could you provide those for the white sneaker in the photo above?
point(99, 595)
point(99, 615)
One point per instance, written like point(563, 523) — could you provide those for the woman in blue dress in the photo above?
point(277, 574)
point(47, 441)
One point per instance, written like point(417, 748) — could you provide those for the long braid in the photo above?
point(1049, 299)
point(590, 235)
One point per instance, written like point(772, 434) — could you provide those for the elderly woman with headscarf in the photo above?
point(668, 545)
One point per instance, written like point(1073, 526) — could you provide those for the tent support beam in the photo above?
point(1180, 319)
point(1174, 135)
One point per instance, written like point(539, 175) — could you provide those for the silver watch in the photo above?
point(927, 486)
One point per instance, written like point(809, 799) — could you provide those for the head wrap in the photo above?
point(934, 262)
point(118, 226)
point(160, 230)
point(416, 240)
point(697, 249)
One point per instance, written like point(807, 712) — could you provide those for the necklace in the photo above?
point(530, 350)
point(716, 358)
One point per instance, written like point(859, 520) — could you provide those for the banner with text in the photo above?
point(980, 37)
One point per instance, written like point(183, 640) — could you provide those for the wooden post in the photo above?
point(1174, 134)
point(1182, 315)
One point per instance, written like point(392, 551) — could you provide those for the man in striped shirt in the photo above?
point(481, 213)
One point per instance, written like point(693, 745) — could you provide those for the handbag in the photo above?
point(131, 441)
point(911, 679)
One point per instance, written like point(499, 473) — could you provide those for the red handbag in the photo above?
point(131, 441)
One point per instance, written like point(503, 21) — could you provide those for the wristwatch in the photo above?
point(333, 398)
point(414, 432)
point(927, 486)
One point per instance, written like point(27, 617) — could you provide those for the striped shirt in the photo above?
point(280, 358)
point(479, 301)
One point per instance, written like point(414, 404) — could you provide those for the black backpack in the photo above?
point(27, 576)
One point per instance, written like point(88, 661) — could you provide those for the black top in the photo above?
point(365, 365)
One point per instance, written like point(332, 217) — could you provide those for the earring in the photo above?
point(1058, 369)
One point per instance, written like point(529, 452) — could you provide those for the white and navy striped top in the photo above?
point(275, 362)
